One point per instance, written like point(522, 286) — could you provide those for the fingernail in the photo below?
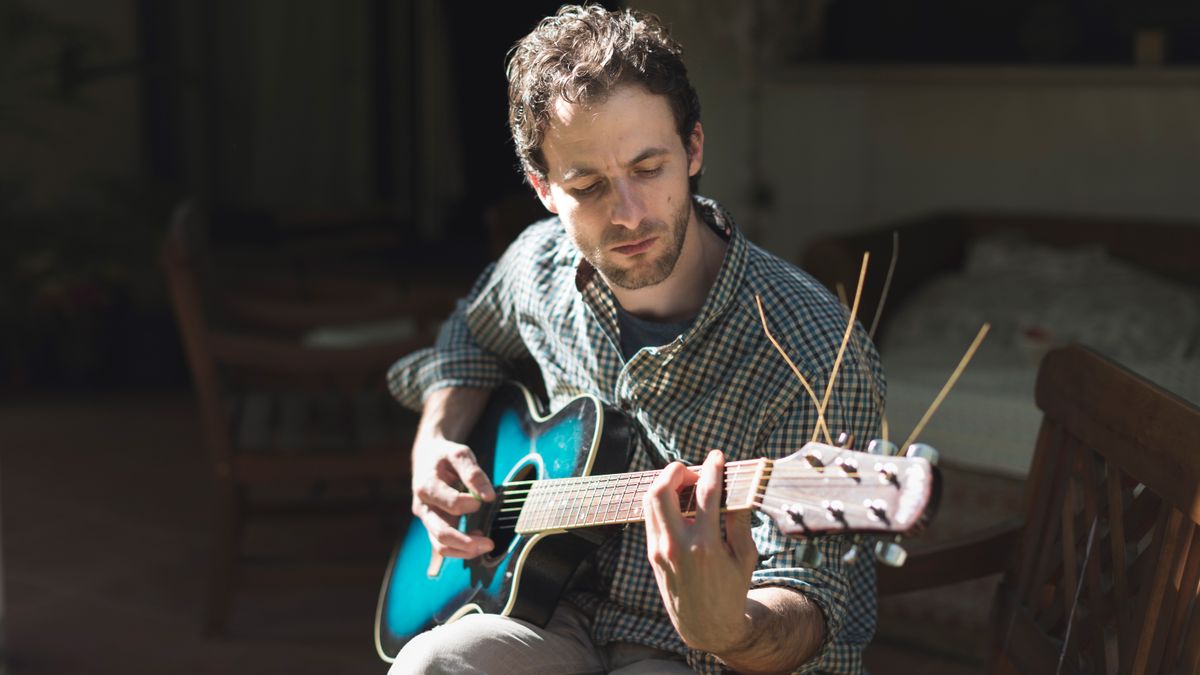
point(485, 547)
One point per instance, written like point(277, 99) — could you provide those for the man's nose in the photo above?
point(628, 209)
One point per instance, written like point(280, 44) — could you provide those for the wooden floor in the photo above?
point(105, 511)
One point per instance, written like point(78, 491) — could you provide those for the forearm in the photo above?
point(450, 414)
point(785, 629)
point(460, 357)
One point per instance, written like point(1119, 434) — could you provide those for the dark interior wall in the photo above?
point(480, 38)
point(298, 111)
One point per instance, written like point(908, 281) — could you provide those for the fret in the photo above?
point(579, 498)
point(608, 502)
point(606, 498)
point(574, 508)
point(630, 497)
point(587, 491)
point(562, 504)
point(589, 496)
point(594, 503)
point(617, 498)
point(594, 499)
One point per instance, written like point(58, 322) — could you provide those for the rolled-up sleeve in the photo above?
point(475, 346)
point(835, 586)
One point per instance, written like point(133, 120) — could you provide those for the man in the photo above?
point(643, 294)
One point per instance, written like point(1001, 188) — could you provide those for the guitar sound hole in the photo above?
point(503, 529)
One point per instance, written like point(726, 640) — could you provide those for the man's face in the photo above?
point(618, 177)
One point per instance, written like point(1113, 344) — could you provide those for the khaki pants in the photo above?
point(486, 644)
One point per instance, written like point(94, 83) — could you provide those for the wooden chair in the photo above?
point(277, 411)
point(1103, 573)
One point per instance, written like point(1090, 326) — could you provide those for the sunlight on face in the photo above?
point(618, 177)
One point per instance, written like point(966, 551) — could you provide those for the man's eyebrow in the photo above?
point(582, 171)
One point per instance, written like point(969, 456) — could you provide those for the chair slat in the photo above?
point(1153, 593)
point(1188, 582)
point(1116, 541)
point(1093, 624)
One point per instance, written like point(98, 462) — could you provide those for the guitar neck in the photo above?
point(614, 499)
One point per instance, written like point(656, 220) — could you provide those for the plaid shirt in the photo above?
point(720, 384)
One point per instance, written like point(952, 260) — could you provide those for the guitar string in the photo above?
point(634, 514)
point(740, 476)
point(591, 489)
point(584, 490)
point(596, 485)
point(739, 468)
point(777, 502)
point(591, 482)
point(760, 504)
point(521, 497)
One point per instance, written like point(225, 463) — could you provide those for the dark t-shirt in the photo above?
point(637, 333)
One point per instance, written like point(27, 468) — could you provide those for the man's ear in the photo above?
point(695, 150)
point(542, 188)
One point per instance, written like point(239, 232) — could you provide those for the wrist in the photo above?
point(734, 639)
point(450, 414)
point(783, 629)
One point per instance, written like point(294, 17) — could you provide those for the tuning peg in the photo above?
point(877, 509)
point(924, 451)
point(845, 440)
point(887, 473)
point(890, 553)
point(881, 447)
point(809, 555)
point(849, 465)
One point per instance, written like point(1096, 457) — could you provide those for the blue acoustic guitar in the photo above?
point(558, 482)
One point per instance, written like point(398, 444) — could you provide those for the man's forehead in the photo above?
point(624, 125)
point(563, 112)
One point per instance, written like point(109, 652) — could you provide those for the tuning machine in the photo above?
point(879, 446)
point(808, 555)
point(890, 553)
point(923, 451)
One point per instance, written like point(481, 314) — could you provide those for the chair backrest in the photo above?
point(1107, 573)
point(182, 258)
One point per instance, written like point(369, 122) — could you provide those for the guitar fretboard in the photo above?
point(614, 499)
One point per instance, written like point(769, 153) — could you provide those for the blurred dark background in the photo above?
point(290, 123)
point(341, 151)
point(304, 122)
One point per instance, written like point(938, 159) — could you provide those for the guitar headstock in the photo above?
point(824, 489)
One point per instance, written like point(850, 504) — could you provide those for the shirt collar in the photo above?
point(724, 288)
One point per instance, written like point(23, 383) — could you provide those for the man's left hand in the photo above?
point(703, 577)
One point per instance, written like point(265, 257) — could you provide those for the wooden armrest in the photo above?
point(973, 556)
point(427, 309)
point(280, 356)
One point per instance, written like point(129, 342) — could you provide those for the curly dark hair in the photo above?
point(580, 55)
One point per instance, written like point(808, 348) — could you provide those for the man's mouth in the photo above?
point(636, 247)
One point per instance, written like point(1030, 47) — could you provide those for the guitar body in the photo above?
point(524, 576)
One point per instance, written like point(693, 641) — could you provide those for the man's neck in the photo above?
point(681, 295)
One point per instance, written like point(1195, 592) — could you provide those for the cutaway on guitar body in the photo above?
point(519, 446)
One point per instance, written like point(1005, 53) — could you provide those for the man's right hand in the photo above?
point(447, 481)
